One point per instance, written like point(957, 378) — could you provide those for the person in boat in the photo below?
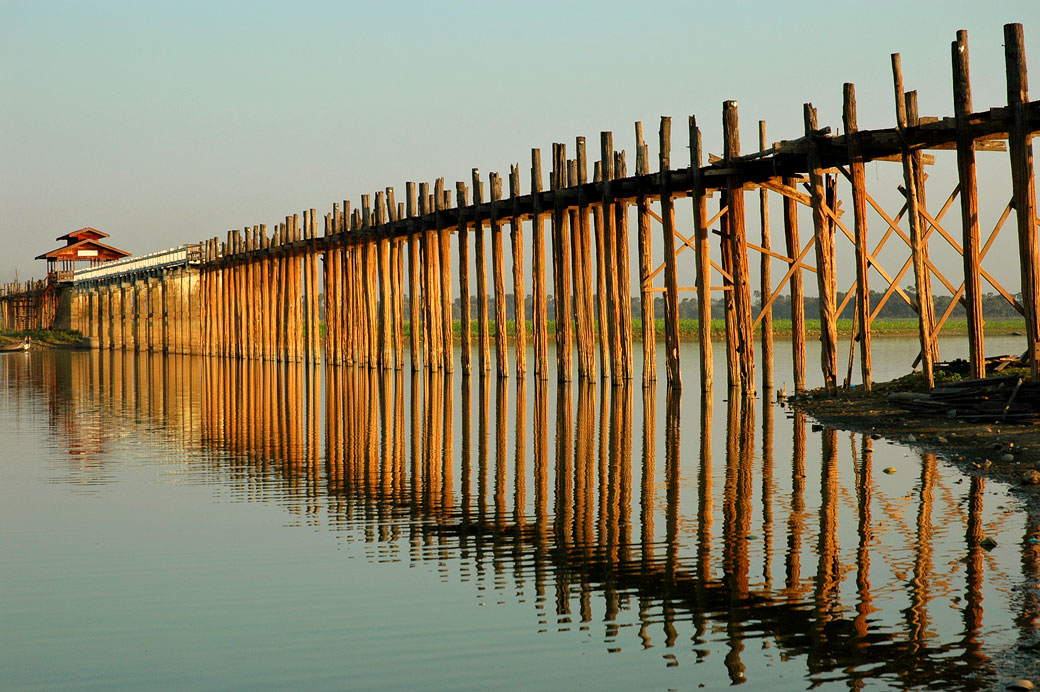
point(26, 344)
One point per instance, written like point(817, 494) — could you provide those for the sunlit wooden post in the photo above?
point(539, 306)
point(738, 242)
point(516, 238)
point(1024, 186)
point(859, 208)
point(824, 234)
point(646, 295)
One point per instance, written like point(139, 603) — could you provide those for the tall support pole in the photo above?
point(765, 278)
point(313, 323)
point(926, 300)
point(561, 268)
point(484, 335)
point(414, 290)
point(516, 239)
point(859, 208)
point(825, 279)
point(738, 241)
point(910, 180)
point(793, 244)
point(646, 295)
point(969, 197)
point(382, 241)
point(581, 269)
point(700, 230)
point(539, 308)
point(442, 202)
point(668, 247)
point(465, 308)
point(430, 360)
point(1024, 186)
point(606, 142)
point(601, 279)
point(498, 276)
point(729, 308)
point(624, 276)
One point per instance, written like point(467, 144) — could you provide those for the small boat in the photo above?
point(25, 345)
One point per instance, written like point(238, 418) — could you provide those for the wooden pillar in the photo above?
point(910, 181)
point(581, 265)
point(700, 230)
point(825, 279)
point(606, 143)
point(414, 298)
point(386, 353)
point(926, 300)
point(738, 239)
point(516, 238)
point(484, 336)
point(969, 197)
point(539, 307)
point(728, 300)
point(1024, 187)
point(126, 322)
point(499, 278)
point(370, 280)
point(794, 248)
point(397, 284)
point(859, 208)
point(193, 314)
point(623, 273)
point(313, 321)
point(646, 295)
point(561, 267)
point(601, 279)
point(765, 275)
point(465, 309)
point(674, 378)
point(442, 201)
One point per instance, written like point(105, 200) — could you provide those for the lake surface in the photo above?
point(173, 522)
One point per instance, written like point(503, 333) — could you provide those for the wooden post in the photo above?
point(917, 162)
point(382, 240)
point(674, 377)
point(444, 272)
point(1024, 187)
point(516, 238)
point(910, 180)
point(859, 208)
point(793, 244)
point(465, 331)
point(484, 335)
point(700, 229)
point(738, 240)
point(313, 323)
point(539, 308)
point(624, 278)
point(646, 295)
point(729, 308)
point(606, 143)
point(825, 279)
point(765, 278)
point(561, 268)
point(581, 269)
point(601, 279)
point(969, 196)
point(498, 276)
point(414, 299)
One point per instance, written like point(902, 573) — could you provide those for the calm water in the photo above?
point(188, 523)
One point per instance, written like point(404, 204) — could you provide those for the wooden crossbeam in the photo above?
point(780, 286)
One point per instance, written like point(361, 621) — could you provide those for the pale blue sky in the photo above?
point(163, 123)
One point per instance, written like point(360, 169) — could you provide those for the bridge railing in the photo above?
point(182, 255)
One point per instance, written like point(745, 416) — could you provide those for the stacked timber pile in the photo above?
point(1008, 398)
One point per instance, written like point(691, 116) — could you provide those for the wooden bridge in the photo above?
point(261, 295)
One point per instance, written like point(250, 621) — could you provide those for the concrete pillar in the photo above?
point(140, 316)
point(116, 302)
point(127, 300)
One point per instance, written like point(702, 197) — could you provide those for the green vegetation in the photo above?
point(44, 336)
point(689, 329)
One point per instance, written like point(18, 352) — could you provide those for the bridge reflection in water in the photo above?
point(721, 531)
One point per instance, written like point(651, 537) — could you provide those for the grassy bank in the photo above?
point(53, 337)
